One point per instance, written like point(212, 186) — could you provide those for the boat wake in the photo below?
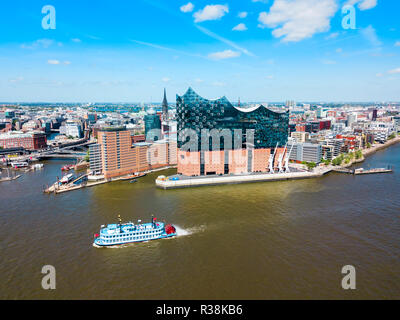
point(185, 232)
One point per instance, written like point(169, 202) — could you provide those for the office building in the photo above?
point(308, 152)
point(152, 125)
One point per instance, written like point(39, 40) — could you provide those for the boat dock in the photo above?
point(10, 178)
point(360, 171)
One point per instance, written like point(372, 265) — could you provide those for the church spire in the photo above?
point(165, 106)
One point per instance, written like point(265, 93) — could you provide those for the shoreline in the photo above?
point(267, 177)
point(369, 151)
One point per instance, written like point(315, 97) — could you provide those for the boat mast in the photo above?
point(119, 222)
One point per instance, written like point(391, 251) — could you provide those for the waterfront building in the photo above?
point(302, 151)
point(95, 162)
point(397, 123)
point(258, 129)
point(116, 155)
point(336, 145)
point(327, 152)
point(28, 141)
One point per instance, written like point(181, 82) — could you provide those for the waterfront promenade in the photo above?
point(186, 182)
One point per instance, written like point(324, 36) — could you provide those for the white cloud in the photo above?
point(298, 19)
point(363, 4)
point(76, 40)
point(397, 44)
point(270, 77)
point(339, 50)
point(211, 12)
point(263, 1)
point(379, 75)
point(224, 40)
point(67, 62)
point(240, 27)
point(394, 71)
point(369, 33)
point(242, 14)
point(199, 80)
point(227, 54)
point(187, 7)
point(53, 62)
point(333, 35)
point(165, 79)
point(41, 43)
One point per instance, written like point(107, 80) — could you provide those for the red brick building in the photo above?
point(28, 141)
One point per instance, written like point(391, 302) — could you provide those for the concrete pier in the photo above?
point(185, 182)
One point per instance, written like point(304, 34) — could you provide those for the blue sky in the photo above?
point(258, 50)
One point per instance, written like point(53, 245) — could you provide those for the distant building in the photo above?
point(28, 141)
point(396, 121)
point(72, 129)
point(152, 122)
point(300, 136)
point(374, 114)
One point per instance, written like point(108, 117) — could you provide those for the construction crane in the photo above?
point(271, 160)
point(287, 159)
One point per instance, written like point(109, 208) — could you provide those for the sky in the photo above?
point(252, 50)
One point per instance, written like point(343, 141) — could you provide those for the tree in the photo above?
point(87, 157)
point(327, 162)
point(311, 165)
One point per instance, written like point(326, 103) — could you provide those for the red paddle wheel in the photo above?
point(169, 228)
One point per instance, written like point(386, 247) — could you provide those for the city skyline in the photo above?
point(252, 50)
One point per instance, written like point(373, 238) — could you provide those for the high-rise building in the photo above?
point(247, 145)
point(374, 114)
point(152, 121)
point(115, 155)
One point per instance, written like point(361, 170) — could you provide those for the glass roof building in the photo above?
point(196, 113)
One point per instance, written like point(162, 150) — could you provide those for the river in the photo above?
point(273, 240)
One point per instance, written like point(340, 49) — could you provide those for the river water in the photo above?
point(276, 240)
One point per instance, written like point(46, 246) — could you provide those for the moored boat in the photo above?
point(67, 178)
point(124, 233)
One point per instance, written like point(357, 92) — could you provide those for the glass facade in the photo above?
point(196, 113)
point(151, 121)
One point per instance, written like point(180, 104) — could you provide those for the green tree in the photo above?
point(311, 165)
point(87, 157)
